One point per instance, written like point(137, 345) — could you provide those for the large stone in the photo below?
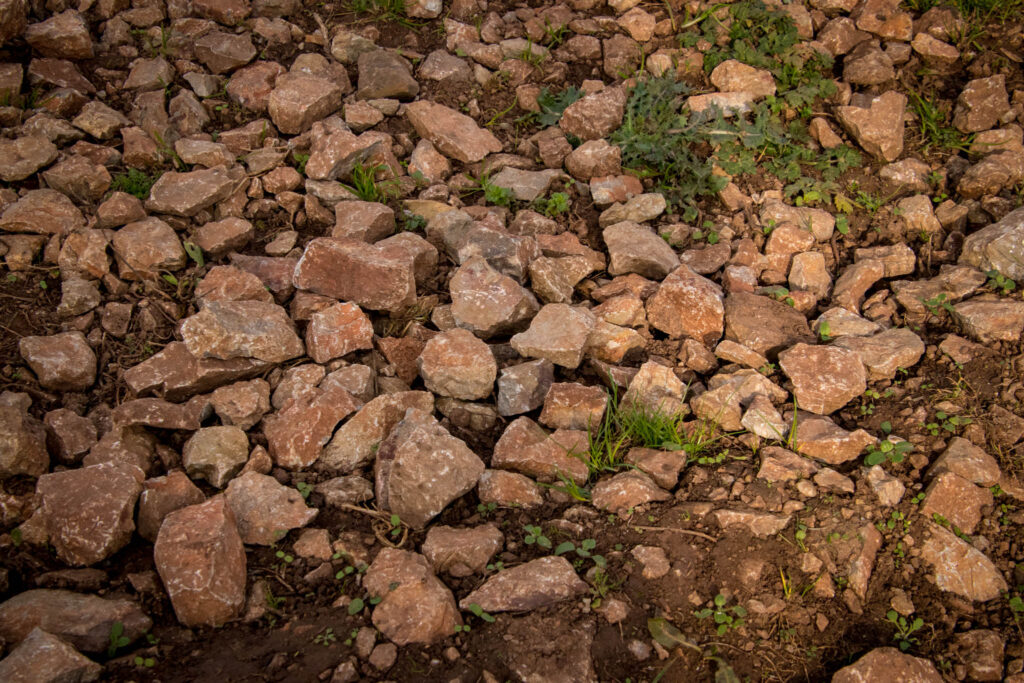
point(22, 444)
point(462, 552)
point(64, 362)
point(43, 212)
point(595, 116)
point(88, 513)
point(965, 459)
point(633, 248)
point(999, 247)
point(822, 439)
point(655, 389)
point(201, 561)
point(415, 606)
point(488, 303)
point(356, 442)
point(160, 497)
point(84, 621)
point(215, 454)
point(353, 271)
point(762, 324)
point(760, 524)
point(146, 249)
point(62, 36)
point(877, 128)
point(825, 378)
point(297, 433)
point(241, 329)
point(456, 363)
point(176, 374)
point(45, 658)
point(957, 500)
point(23, 156)
point(991, 321)
point(993, 173)
point(336, 331)
point(509, 490)
point(298, 100)
point(687, 305)
point(888, 664)
point(421, 468)
point(569, 405)
point(960, 568)
point(523, 387)
point(734, 76)
point(264, 509)
point(557, 333)
point(885, 353)
point(526, 448)
point(223, 52)
point(625, 491)
point(13, 19)
point(186, 194)
point(384, 74)
point(529, 586)
point(454, 134)
point(242, 404)
point(982, 103)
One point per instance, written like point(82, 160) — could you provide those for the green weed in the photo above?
point(933, 128)
point(552, 105)
point(727, 618)
point(553, 206)
point(904, 629)
point(134, 182)
point(894, 452)
point(999, 283)
point(366, 186)
point(116, 639)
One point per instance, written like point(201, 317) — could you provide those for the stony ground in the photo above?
point(511, 342)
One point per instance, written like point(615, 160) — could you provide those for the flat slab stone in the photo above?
point(960, 568)
point(82, 620)
point(529, 586)
point(824, 378)
point(242, 329)
point(186, 194)
point(454, 134)
point(353, 271)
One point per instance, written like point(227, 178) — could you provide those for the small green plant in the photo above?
point(800, 535)
point(351, 637)
point(532, 57)
point(999, 282)
point(781, 294)
point(325, 637)
point(825, 331)
point(555, 205)
point(554, 35)
point(1016, 607)
point(304, 488)
point(116, 638)
point(495, 566)
point(932, 125)
point(272, 602)
point(553, 104)
point(583, 551)
point(366, 187)
point(534, 534)
point(947, 423)
point(413, 222)
point(486, 510)
point(144, 662)
point(917, 499)
point(887, 450)
point(194, 252)
point(897, 521)
point(134, 182)
point(727, 618)
point(300, 161)
point(904, 630)
point(938, 303)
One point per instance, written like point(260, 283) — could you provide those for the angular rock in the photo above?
point(63, 362)
point(595, 116)
point(186, 194)
point(855, 280)
point(822, 439)
point(242, 404)
point(88, 513)
point(22, 444)
point(462, 552)
point(384, 74)
point(355, 443)
point(569, 405)
point(201, 561)
point(84, 621)
point(421, 468)
point(509, 490)
point(529, 586)
point(160, 497)
point(25, 155)
point(241, 329)
point(365, 221)
point(48, 659)
point(456, 363)
point(655, 390)
point(42, 212)
point(885, 353)
point(222, 52)
point(632, 248)
point(298, 100)
point(526, 448)
point(960, 568)
point(877, 128)
point(177, 375)
point(981, 104)
point(336, 331)
point(957, 500)
point(454, 134)
point(965, 459)
point(263, 509)
point(999, 247)
point(662, 466)
point(147, 248)
point(557, 333)
point(351, 270)
point(523, 387)
point(734, 76)
point(990, 321)
point(760, 524)
point(63, 36)
point(824, 378)
point(764, 325)
point(687, 305)
point(297, 433)
point(215, 454)
point(415, 605)
point(626, 491)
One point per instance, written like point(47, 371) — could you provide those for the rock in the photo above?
point(982, 103)
point(297, 433)
point(557, 333)
point(966, 460)
point(822, 439)
point(241, 329)
point(730, 104)
point(763, 419)
point(952, 283)
point(855, 280)
point(887, 488)
point(877, 128)
point(569, 405)
point(22, 444)
point(23, 156)
point(626, 491)
point(883, 18)
point(885, 353)
point(84, 621)
point(63, 362)
point(456, 363)
point(526, 448)
point(779, 464)
point(655, 389)
point(509, 490)
point(48, 659)
point(867, 64)
point(263, 509)
point(219, 237)
point(632, 248)
point(177, 374)
point(687, 305)
point(595, 116)
point(529, 586)
point(992, 174)
point(734, 76)
point(186, 194)
point(638, 209)
point(242, 404)
point(824, 378)
point(523, 387)
point(336, 331)
point(345, 490)
point(201, 561)
point(346, 46)
point(63, 36)
point(13, 19)
point(764, 325)
point(298, 100)
point(421, 468)
point(160, 497)
point(983, 651)
point(935, 53)
point(415, 605)
point(760, 524)
point(364, 221)
point(957, 500)
point(959, 568)
point(227, 12)
point(216, 454)
point(88, 513)
point(594, 158)
point(454, 134)
point(888, 663)
point(352, 271)
point(526, 186)
point(355, 443)
point(655, 562)
point(462, 552)
point(661, 465)
point(998, 247)
point(990, 321)
point(145, 249)
point(384, 74)
point(488, 303)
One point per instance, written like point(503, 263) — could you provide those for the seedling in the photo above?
point(553, 104)
point(134, 182)
point(485, 510)
point(195, 253)
point(948, 423)
point(999, 282)
point(801, 535)
point(117, 639)
point(825, 331)
point(144, 662)
point(534, 534)
point(937, 304)
point(896, 519)
point(300, 161)
point(904, 629)
point(555, 205)
point(325, 637)
point(304, 488)
point(413, 222)
point(894, 452)
point(726, 617)
point(1017, 608)
point(582, 551)
point(366, 187)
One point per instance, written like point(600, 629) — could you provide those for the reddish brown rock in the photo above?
point(957, 500)
point(63, 36)
point(88, 513)
point(456, 363)
point(63, 362)
point(625, 491)
point(84, 621)
point(487, 302)
point(241, 329)
point(242, 404)
point(265, 510)
point(595, 116)
point(569, 405)
point(364, 221)
point(878, 128)
point(45, 657)
point(529, 586)
point(965, 459)
point(160, 497)
point(68, 434)
point(764, 325)
point(337, 331)
point(889, 664)
point(24, 156)
point(633, 248)
point(186, 194)
point(415, 606)
point(687, 305)
point(215, 454)
point(760, 524)
point(177, 374)
point(297, 433)
point(526, 448)
point(356, 441)
point(960, 568)
point(201, 561)
point(462, 552)
point(43, 212)
point(22, 444)
point(352, 271)
point(454, 134)
point(824, 378)
point(509, 489)
point(558, 333)
point(298, 100)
